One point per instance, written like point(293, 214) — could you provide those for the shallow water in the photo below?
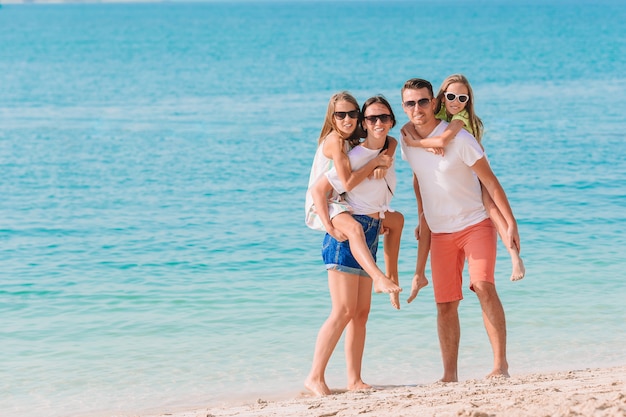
point(155, 159)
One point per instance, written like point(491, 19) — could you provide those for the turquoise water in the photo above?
point(154, 161)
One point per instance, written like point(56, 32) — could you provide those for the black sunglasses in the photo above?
point(384, 118)
point(340, 115)
point(423, 103)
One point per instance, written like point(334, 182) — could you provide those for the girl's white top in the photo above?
point(336, 204)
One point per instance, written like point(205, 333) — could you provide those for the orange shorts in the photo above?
point(448, 252)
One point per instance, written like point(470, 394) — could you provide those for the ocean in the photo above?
point(154, 159)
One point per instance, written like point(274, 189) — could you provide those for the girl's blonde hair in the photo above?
point(330, 121)
point(475, 123)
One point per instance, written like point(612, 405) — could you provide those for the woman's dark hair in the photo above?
point(378, 99)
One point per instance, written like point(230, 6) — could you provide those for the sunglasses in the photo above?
point(451, 96)
point(340, 115)
point(384, 118)
point(422, 102)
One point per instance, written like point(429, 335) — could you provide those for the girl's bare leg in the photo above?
point(346, 224)
point(344, 294)
point(355, 336)
point(393, 223)
point(498, 220)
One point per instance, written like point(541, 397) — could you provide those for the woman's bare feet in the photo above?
point(419, 282)
point(359, 386)
point(318, 388)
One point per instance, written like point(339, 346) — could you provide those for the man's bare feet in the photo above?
point(518, 268)
point(395, 300)
point(384, 284)
point(359, 386)
point(318, 388)
point(498, 373)
point(419, 282)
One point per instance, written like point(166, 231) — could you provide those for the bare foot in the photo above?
point(318, 388)
point(384, 284)
point(518, 268)
point(498, 373)
point(419, 282)
point(449, 376)
point(359, 386)
point(395, 300)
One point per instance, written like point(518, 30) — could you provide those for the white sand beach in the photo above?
point(588, 392)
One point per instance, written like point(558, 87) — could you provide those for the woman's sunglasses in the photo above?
point(384, 118)
point(340, 115)
point(451, 96)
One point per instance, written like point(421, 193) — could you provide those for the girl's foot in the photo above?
point(518, 268)
point(395, 300)
point(384, 284)
point(419, 282)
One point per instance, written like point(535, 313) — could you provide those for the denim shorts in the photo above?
point(337, 255)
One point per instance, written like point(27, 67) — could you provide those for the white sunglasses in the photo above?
point(451, 96)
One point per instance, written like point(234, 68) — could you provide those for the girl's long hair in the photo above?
point(330, 123)
point(475, 123)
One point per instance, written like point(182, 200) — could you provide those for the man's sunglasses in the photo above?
point(423, 103)
point(451, 96)
point(340, 115)
point(384, 118)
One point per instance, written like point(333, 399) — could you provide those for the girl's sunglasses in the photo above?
point(340, 115)
point(451, 96)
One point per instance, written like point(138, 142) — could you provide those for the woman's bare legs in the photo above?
point(355, 336)
point(344, 293)
point(346, 224)
point(498, 220)
point(393, 224)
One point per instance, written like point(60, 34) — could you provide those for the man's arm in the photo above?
point(495, 190)
point(422, 234)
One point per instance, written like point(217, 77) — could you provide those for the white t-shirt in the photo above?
point(370, 195)
point(336, 205)
point(450, 190)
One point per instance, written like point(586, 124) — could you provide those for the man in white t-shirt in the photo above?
point(448, 189)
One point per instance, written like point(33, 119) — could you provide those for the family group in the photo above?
point(461, 207)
